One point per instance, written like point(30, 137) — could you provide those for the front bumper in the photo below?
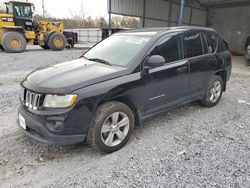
point(36, 129)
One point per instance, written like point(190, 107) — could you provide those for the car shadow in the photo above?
point(51, 152)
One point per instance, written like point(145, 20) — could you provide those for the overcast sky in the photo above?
point(67, 8)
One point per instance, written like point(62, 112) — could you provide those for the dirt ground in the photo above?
point(191, 146)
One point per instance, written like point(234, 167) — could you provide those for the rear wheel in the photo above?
point(213, 92)
point(113, 125)
point(57, 41)
point(14, 42)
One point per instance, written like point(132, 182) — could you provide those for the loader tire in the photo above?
point(57, 41)
point(14, 42)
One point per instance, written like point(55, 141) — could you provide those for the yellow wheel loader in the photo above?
point(18, 29)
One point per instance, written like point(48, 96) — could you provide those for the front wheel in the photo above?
point(213, 92)
point(112, 127)
point(57, 41)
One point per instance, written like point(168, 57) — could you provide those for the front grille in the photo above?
point(31, 99)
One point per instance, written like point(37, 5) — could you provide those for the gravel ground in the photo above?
point(191, 146)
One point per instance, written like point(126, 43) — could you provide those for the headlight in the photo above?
point(59, 101)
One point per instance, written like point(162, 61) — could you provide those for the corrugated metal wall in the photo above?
point(160, 13)
point(127, 7)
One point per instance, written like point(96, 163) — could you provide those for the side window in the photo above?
point(212, 42)
point(170, 48)
point(193, 44)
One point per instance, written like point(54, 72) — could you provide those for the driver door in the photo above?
point(166, 86)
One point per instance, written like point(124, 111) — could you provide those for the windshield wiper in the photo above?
point(100, 61)
point(82, 56)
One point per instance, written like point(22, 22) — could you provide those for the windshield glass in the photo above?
point(23, 10)
point(117, 50)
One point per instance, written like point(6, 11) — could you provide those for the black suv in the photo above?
point(121, 81)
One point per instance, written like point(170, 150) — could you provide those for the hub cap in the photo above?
point(15, 43)
point(115, 129)
point(58, 42)
point(215, 92)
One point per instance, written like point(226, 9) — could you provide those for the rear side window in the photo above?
point(193, 44)
point(212, 42)
point(170, 48)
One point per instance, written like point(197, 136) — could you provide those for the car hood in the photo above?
point(69, 76)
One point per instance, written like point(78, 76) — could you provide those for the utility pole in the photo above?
point(181, 18)
point(43, 8)
point(110, 18)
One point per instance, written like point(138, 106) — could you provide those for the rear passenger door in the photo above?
point(201, 63)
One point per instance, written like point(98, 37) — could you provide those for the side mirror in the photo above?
point(155, 61)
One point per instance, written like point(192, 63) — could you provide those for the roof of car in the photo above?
point(156, 31)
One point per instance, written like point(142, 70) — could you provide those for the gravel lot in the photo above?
point(191, 146)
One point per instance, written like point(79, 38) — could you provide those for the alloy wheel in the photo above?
point(115, 129)
point(215, 92)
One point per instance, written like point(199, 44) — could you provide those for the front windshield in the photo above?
point(117, 50)
point(23, 10)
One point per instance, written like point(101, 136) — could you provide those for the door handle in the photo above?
point(181, 69)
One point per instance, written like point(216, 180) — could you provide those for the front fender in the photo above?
point(46, 38)
point(127, 89)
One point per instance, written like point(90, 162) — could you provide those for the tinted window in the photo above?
point(212, 42)
point(192, 44)
point(170, 48)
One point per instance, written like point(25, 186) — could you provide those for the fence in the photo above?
point(88, 35)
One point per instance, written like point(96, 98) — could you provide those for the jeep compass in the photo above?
point(126, 78)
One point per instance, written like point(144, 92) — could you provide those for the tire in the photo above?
point(57, 41)
point(213, 92)
point(14, 42)
point(45, 46)
point(105, 133)
point(1, 47)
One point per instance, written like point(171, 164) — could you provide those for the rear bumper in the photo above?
point(38, 131)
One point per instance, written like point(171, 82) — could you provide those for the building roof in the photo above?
point(216, 3)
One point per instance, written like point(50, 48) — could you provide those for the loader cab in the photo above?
point(22, 13)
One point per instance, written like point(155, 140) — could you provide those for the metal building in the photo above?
point(160, 13)
point(231, 18)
